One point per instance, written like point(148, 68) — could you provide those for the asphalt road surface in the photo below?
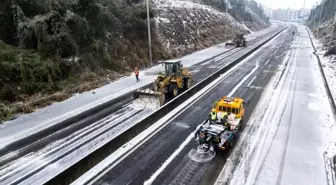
point(143, 162)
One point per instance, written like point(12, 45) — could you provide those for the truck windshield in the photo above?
point(229, 109)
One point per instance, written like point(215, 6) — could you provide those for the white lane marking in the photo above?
point(205, 63)
point(181, 124)
point(221, 57)
point(267, 62)
point(191, 136)
point(252, 80)
point(218, 59)
point(195, 71)
point(257, 87)
point(244, 79)
point(171, 158)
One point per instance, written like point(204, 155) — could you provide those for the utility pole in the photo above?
point(303, 10)
point(227, 22)
point(149, 36)
point(226, 11)
point(321, 7)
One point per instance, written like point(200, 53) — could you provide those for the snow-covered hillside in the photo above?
point(188, 25)
point(257, 20)
point(321, 21)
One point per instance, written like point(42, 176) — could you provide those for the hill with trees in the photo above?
point(50, 46)
point(321, 21)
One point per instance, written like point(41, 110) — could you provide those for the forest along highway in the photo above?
point(163, 159)
point(42, 159)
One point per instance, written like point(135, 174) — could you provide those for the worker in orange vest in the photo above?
point(136, 72)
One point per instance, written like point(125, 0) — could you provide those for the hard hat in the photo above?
point(213, 110)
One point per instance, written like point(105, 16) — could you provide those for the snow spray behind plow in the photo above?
point(201, 156)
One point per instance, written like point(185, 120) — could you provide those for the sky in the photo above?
point(293, 4)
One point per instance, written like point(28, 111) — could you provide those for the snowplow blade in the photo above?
point(230, 44)
point(150, 96)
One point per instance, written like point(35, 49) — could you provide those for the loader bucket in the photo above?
point(148, 97)
point(229, 44)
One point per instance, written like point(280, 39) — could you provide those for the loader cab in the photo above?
point(173, 67)
point(239, 36)
point(230, 105)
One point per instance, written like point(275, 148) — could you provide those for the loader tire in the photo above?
point(241, 125)
point(173, 91)
point(187, 83)
point(229, 144)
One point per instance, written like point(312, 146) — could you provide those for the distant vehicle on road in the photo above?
point(238, 41)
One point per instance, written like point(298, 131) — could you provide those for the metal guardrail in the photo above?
point(124, 137)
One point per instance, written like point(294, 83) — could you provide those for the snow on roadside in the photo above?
point(329, 66)
point(248, 157)
point(247, 28)
point(329, 69)
point(184, 4)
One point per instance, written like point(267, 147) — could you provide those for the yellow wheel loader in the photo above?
point(168, 85)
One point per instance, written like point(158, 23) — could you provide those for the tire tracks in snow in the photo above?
point(257, 152)
point(235, 163)
point(278, 124)
point(284, 153)
point(269, 132)
point(257, 126)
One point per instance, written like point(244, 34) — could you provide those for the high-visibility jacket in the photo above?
point(213, 116)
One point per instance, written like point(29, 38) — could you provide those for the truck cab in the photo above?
point(230, 105)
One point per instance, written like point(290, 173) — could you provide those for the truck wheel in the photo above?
point(231, 144)
point(228, 144)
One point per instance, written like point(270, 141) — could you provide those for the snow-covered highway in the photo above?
point(291, 134)
point(162, 158)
